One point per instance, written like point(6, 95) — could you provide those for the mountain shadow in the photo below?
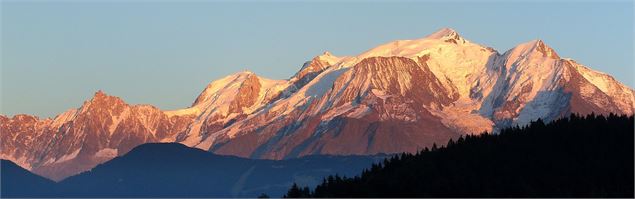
point(18, 182)
point(579, 156)
point(175, 170)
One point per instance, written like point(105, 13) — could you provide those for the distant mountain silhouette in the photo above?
point(18, 182)
point(588, 156)
point(175, 170)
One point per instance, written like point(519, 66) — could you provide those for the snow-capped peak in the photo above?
point(214, 88)
point(547, 51)
point(443, 32)
point(329, 58)
point(224, 91)
point(534, 46)
point(244, 72)
point(441, 42)
point(447, 35)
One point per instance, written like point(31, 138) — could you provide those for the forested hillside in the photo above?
point(579, 156)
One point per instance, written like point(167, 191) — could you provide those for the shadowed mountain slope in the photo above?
point(175, 170)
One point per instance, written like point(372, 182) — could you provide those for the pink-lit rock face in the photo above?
point(401, 96)
point(101, 129)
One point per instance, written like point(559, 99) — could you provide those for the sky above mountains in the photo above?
point(55, 55)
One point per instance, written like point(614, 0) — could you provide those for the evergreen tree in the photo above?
point(578, 156)
point(294, 192)
point(306, 193)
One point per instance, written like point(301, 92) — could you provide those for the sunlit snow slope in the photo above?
point(397, 97)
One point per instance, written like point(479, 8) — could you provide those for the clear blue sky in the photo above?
point(55, 55)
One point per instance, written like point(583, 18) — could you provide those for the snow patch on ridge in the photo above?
point(360, 111)
point(183, 112)
point(337, 111)
point(381, 94)
point(323, 83)
point(117, 119)
point(68, 157)
point(61, 119)
point(623, 96)
point(106, 153)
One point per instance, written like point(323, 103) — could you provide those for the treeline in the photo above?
point(578, 156)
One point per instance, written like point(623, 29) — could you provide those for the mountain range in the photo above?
point(398, 97)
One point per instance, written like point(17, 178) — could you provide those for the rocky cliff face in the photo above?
point(401, 96)
point(79, 139)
